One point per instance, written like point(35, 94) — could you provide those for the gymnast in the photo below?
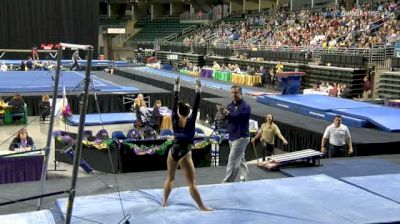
point(180, 153)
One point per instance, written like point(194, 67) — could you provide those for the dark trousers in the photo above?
point(336, 151)
point(75, 64)
point(268, 150)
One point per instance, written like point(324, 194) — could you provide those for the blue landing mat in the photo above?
point(339, 168)
point(312, 199)
point(41, 81)
point(107, 118)
point(386, 118)
point(174, 75)
point(319, 102)
point(37, 217)
point(95, 63)
point(384, 185)
point(355, 113)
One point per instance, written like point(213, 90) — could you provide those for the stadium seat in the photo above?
point(102, 134)
point(118, 135)
point(134, 134)
point(166, 132)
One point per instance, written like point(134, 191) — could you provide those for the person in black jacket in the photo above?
point(22, 141)
point(44, 107)
point(155, 119)
point(17, 104)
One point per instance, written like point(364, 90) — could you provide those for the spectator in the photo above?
point(155, 119)
point(44, 107)
point(35, 54)
point(17, 104)
point(2, 106)
point(3, 67)
point(267, 133)
point(219, 119)
point(238, 115)
point(338, 137)
point(22, 141)
point(367, 87)
point(75, 58)
point(279, 67)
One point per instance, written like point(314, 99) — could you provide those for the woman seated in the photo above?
point(22, 141)
point(2, 106)
point(17, 104)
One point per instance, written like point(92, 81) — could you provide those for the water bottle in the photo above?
point(213, 161)
point(217, 154)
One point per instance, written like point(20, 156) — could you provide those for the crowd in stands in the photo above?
point(222, 30)
point(332, 26)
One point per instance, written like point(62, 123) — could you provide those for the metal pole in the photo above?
point(78, 146)
point(51, 125)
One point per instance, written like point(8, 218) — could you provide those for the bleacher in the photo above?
point(158, 29)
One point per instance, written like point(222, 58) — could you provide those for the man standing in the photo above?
point(338, 135)
point(75, 58)
point(238, 115)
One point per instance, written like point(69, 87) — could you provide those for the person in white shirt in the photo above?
point(339, 139)
point(3, 67)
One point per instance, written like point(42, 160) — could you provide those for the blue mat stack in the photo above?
point(354, 113)
point(103, 118)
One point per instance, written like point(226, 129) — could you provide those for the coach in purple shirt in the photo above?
point(238, 115)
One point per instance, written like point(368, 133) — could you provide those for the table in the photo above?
point(20, 168)
point(206, 73)
point(125, 159)
point(245, 79)
point(222, 75)
point(187, 72)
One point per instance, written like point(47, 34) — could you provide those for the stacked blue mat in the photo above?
point(104, 118)
point(354, 113)
point(174, 75)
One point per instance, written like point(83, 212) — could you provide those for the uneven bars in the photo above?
point(28, 51)
point(76, 46)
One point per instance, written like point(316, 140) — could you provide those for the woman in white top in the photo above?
point(267, 134)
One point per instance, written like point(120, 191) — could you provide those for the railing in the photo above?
point(121, 39)
point(170, 37)
point(378, 55)
point(195, 17)
point(318, 51)
point(188, 29)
